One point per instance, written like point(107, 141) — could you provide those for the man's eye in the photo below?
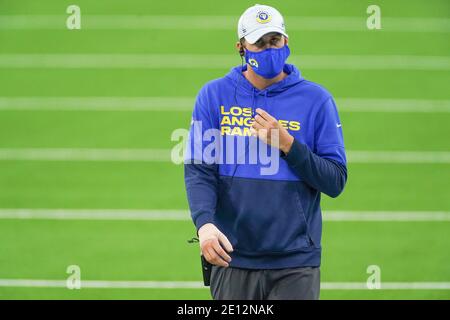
point(259, 44)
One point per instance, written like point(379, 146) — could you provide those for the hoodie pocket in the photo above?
point(305, 220)
point(262, 216)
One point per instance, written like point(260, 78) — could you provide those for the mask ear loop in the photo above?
point(242, 54)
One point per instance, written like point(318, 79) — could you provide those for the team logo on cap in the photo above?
point(263, 17)
point(253, 63)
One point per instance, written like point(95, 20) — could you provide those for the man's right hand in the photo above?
point(212, 243)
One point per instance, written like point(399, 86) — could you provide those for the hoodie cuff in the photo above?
point(297, 153)
point(203, 219)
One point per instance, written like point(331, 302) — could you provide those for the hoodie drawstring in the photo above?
point(246, 138)
point(266, 104)
point(253, 103)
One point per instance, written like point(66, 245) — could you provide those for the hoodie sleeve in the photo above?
point(201, 178)
point(324, 168)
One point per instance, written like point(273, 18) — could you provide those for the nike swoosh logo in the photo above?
point(338, 125)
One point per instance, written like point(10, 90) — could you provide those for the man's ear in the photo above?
point(286, 40)
point(240, 48)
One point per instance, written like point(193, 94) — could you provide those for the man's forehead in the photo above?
point(270, 35)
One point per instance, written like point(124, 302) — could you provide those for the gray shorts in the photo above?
point(280, 284)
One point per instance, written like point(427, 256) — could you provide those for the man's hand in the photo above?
point(266, 127)
point(211, 243)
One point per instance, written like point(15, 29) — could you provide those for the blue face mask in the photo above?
point(269, 62)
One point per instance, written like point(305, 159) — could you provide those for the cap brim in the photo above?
point(255, 35)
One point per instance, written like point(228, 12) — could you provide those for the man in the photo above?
point(261, 232)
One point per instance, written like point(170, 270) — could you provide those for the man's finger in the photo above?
point(257, 125)
point(264, 114)
point(218, 248)
point(260, 133)
point(261, 121)
point(253, 132)
point(215, 258)
point(206, 255)
point(225, 242)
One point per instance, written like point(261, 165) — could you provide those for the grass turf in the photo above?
point(127, 250)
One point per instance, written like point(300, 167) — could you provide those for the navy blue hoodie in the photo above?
point(272, 221)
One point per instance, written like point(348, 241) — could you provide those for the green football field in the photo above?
point(86, 118)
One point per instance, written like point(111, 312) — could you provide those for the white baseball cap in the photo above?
point(258, 20)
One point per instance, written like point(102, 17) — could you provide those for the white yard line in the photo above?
point(28, 283)
point(386, 286)
point(33, 283)
point(218, 61)
point(191, 22)
point(391, 105)
point(139, 155)
point(94, 214)
point(163, 155)
point(183, 215)
point(386, 216)
point(398, 157)
point(102, 103)
point(187, 103)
